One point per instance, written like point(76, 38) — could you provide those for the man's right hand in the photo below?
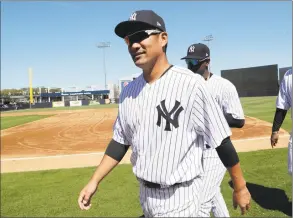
point(242, 199)
point(84, 200)
point(107, 164)
point(274, 139)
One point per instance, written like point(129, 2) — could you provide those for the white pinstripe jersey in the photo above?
point(226, 96)
point(284, 99)
point(166, 123)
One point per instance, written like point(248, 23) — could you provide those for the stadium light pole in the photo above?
point(208, 38)
point(104, 45)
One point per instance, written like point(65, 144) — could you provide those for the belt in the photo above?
point(156, 185)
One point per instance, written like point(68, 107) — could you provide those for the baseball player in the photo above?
point(225, 94)
point(283, 104)
point(165, 115)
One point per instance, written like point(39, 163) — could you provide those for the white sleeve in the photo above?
point(119, 127)
point(231, 102)
point(283, 100)
point(208, 118)
point(118, 132)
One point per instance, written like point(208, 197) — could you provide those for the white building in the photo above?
point(114, 90)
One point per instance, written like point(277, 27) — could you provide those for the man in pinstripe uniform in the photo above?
point(283, 104)
point(225, 94)
point(165, 115)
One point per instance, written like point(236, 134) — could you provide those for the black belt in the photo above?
point(156, 185)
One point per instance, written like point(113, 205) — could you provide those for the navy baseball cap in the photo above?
point(197, 51)
point(140, 20)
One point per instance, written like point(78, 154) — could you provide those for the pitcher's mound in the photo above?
point(255, 135)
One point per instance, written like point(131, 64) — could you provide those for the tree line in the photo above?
point(25, 91)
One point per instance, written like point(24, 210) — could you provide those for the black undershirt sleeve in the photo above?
point(116, 150)
point(280, 115)
point(227, 153)
point(234, 123)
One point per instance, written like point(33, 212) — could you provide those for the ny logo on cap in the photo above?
point(191, 48)
point(133, 16)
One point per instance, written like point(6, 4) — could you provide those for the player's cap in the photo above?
point(197, 51)
point(140, 20)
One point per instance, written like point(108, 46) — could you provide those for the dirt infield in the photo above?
point(65, 133)
point(78, 139)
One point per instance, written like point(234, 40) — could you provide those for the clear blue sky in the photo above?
point(57, 39)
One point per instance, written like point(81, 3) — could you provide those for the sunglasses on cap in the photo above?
point(139, 36)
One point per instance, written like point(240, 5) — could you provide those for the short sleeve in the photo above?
point(119, 130)
point(283, 99)
point(231, 102)
point(208, 118)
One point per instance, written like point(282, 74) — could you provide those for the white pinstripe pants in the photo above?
point(290, 155)
point(212, 199)
point(178, 201)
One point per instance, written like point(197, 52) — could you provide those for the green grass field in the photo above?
point(11, 121)
point(55, 192)
point(264, 108)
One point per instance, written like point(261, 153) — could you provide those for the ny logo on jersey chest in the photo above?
point(162, 112)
